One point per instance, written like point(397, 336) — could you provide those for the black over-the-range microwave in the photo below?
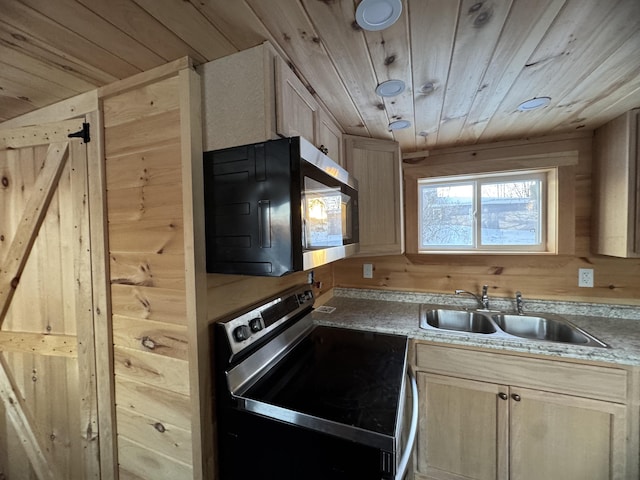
point(277, 207)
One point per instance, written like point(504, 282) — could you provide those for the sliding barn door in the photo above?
point(48, 413)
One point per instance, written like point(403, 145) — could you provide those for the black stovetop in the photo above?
point(346, 376)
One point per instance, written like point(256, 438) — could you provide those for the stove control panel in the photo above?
point(246, 328)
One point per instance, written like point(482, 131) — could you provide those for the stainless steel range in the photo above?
point(300, 401)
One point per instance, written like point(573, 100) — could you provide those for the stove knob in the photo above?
point(255, 324)
point(241, 333)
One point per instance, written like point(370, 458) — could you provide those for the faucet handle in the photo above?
point(519, 303)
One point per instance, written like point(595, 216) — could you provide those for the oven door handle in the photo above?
point(411, 440)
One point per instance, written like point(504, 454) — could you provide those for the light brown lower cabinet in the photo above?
point(479, 429)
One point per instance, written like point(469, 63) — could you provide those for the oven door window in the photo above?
point(327, 215)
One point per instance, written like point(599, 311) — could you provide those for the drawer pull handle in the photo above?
point(503, 396)
point(516, 397)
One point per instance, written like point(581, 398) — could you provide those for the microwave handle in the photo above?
point(264, 223)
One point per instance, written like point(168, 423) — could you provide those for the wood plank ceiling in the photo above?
point(467, 63)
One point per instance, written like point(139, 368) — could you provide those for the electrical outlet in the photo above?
point(367, 270)
point(585, 277)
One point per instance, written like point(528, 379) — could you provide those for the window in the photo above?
point(498, 212)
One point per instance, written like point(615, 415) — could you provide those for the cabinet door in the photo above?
point(376, 165)
point(463, 429)
point(297, 110)
point(329, 137)
point(616, 184)
point(563, 437)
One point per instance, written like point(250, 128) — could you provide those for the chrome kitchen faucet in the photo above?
point(483, 301)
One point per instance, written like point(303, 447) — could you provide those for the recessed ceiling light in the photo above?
point(390, 88)
point(378, 14)
point(399, 125)
point(534, 104)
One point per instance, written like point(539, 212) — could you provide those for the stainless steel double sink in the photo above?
point(544, 327)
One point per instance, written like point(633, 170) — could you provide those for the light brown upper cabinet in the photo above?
point(296, 109)
point(376, 165)
point(616, 180)
point(253, 96)
point(330, 137)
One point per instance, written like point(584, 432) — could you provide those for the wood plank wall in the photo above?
point(228, 293)
point(148, 287)
point(617, 281)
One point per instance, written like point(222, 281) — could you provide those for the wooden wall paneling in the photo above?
point(150, 303)
point(391, 59)
point(33, 45)
point(475, 43)
point(167, 439)
point(139, 269)
point(348, 51)
point(186, 22)
point(148, 236)
point(60, 39)
point(537, 277)
point(157, 403)
point(556, 55)
point(164, 372)
point(89, 25)
point(582, 111)
point(158, 131)
point(527, 23)
point(236, 21)
point(128, 17)
point(146, 463)
point(148, 336)
point(430, 72)
point(75, 106)
point(195, 273)
point(228, 293)
point(145, 203)
point(151, 167)
point(139, 103)
point(38, 91)
point(39, 68)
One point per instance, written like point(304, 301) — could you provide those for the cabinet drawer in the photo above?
point(590, 381)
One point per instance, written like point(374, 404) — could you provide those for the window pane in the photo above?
point(510, 213)
point(446, 216)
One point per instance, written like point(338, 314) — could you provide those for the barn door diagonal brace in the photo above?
point(25, 426)
point(84, 134)
point(32, 218)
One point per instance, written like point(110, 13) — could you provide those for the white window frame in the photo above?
point(547, 178)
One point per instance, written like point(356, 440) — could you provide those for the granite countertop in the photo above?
point(398, 313)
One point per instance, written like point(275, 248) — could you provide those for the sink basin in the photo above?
point(457, 320)
point(543, 328)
